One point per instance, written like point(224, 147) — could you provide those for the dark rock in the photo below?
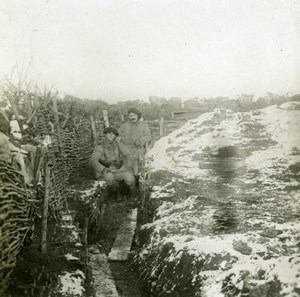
point(297, 290)
point(295, 168)
point(212, 262)
point(268, 256)
point(270, 232)
point(242, 247)
point(229, 151)
point(270, 289)
point(261, 254)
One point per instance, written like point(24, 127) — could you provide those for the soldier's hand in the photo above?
point(105, 163)
point(118, 164)
point(105, 171)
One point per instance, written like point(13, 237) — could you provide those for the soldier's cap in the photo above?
point(111, 130)
point(135, 110)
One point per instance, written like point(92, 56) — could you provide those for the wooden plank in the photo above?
point(103, 283)
point(122, 244)
point(94, 133)
point(55, 110)
point(105, 118)
point(39, 156)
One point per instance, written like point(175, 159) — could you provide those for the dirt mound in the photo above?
point(225, 232)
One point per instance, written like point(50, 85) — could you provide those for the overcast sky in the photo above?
point(128, 49)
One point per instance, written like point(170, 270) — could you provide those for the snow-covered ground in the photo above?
point(232, 212)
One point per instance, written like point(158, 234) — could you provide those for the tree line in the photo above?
point(159, 107)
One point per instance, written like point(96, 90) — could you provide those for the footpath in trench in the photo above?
point(109, 248)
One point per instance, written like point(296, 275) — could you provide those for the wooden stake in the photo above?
point(94, 133)
point(36, 102)
point(45, 205)
point(85, 238)
point(39, 154)
point(31, 117)
point(57, 123)
point(105, 118)
point(29, 105)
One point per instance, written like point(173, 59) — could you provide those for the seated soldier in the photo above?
point(109, 161)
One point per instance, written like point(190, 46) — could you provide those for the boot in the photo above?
point(118, 197)
point(113, 193)
point(137, 178)
point(134, 197)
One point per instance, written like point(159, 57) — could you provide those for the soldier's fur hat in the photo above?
point(111, 130)
point(136, 111)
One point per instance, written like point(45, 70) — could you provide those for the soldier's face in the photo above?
point(110, 136)
point(133, 117)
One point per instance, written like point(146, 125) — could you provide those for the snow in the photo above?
point(91, 191)
point(162, 192)
point(270, 141)
point(67, 218)
point(72, 283)
point(175, 152)
point(71, 257)
point(283, 124)
point(15, 129)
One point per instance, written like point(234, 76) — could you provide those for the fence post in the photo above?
point(161, 127)
point(94, 133)
point(85, 238)
point(57, 123)
point(105, 118)
point(39, 154)
point(45, 203)
point(36, 102)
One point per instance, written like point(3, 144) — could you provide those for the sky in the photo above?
point(132, 49)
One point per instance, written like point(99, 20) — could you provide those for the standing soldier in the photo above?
point(5, 152)
point(135, 134)
point(110, 161)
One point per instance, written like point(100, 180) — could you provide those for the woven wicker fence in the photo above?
point(71, 144)
point(73, 134)
point(16, 218)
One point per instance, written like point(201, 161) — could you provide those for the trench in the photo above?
point(38, 275)
point(109, 273)
point(123, 273)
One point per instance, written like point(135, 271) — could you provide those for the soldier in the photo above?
point(5, 152)
point(111, 161)
point(135, 134)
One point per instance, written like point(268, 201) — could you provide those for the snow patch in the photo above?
point(71, 257)
point(72, 283)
